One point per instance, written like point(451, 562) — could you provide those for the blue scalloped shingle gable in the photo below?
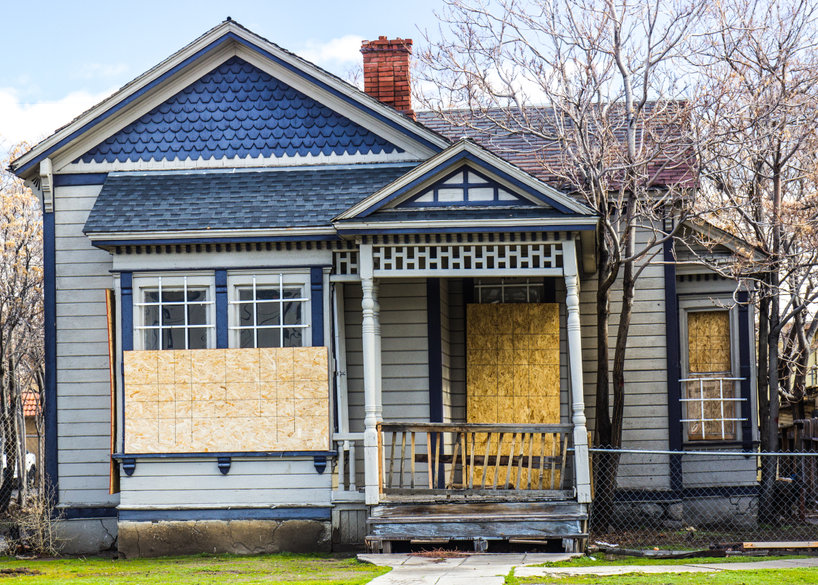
point(237, 110)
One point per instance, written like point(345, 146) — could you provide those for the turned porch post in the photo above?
point(370, 331)
point(581, 463)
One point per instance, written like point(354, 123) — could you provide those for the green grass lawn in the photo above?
point(760, 577)
point(210, 569)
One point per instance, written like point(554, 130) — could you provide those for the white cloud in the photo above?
point(342, 51)
point(21, 121)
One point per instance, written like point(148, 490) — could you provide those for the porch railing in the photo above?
point(345, 446)
point(436, 458)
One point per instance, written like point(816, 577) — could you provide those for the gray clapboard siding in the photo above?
point(186, 483)
point(714, 471)
point(82, 272)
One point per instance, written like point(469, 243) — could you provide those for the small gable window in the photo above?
point(465, 187)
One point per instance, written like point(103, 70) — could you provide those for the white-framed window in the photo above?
point(269, 309)
point(174, 312)
point(711, 400)
point(509, 290)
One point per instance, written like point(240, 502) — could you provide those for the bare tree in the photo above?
point(760, 103)
point(21, 306)
point(593, 88)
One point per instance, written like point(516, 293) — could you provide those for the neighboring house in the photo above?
point(277, 307)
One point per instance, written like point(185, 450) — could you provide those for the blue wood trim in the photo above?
point(221, 309)
point(746, 328)
point(469, 230)
point(294, 513)
point(50, 350)
point(80, 179)
point(224, 240)
point(317, 305)
point(434, 336)
point(258, 454)
point(126, 294)
point(673, 361)
point(200, 269)
point(83, 513)
point(201, 52)
point(457, 159)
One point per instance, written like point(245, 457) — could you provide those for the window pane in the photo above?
point(456, 178)
point(151, 339)
point(292, 293)
point(173, 314)
point(505, 196)
point(197, 315)
point(246, 338)
point(173, 296)
point(197, 338)
point(269, 338)
point(266, 294)
point(427, 197)
point(245, 294)
point(490, 294)
point(151, 315)
point(151, 296)
point(268, 313)
point(292, 312)
point(173, 338)
point(245, 315)
point(515, 294)
point(196, 296)
point(292, 337)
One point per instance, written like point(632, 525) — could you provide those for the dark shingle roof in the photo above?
point(672, 165)
point(257, 199)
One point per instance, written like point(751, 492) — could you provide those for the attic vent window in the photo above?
point(465, 187)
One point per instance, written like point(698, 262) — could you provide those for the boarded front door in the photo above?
point(513, 376)
point(513, 363)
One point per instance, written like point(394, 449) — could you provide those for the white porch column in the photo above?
point(378, 355)
point(581, 463)
point(370, 331)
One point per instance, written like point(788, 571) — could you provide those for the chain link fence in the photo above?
point(702, 499)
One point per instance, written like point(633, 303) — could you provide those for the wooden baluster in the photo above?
point(497, 462)
point(412, 461)
point(530, 459)
point(438, 449)
point(510, 459)
point(554, 459)
point(342, 481)
point(352, 486)
point(542, 460)
point(429, 459)
point(454, 460)
point(486, 460)
point(464, 466)
point(402, 456)
point(519, 480)
point(391, 460)
point(471, 461)
point(564, 455)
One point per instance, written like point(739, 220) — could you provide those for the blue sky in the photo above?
point(62, 57)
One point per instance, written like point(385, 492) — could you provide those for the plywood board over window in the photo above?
point(513, 362)
point(709, 356)
point(222, 400)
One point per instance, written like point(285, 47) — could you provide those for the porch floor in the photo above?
point(524, 522)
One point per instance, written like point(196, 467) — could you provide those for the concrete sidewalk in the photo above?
point(491, 569)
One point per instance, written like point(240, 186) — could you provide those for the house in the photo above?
point(282, 313)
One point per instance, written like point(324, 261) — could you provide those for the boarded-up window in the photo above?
point(710, 389)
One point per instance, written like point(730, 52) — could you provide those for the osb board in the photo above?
point(513, 367)
point(213, 400)
point(708, 341)
point(708, 338)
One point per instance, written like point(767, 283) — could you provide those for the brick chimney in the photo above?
point(386, 72)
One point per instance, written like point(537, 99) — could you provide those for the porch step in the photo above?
point(510, 521)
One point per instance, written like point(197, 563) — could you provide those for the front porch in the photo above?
point(463, 475)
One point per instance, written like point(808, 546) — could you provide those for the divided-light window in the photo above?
point(174, 313)
point(269, 310)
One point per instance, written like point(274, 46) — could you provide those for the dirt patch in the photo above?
point(440, 553)
point(18, 572)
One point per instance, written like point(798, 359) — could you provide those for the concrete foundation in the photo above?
point(152, 539)
point(87, 536)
